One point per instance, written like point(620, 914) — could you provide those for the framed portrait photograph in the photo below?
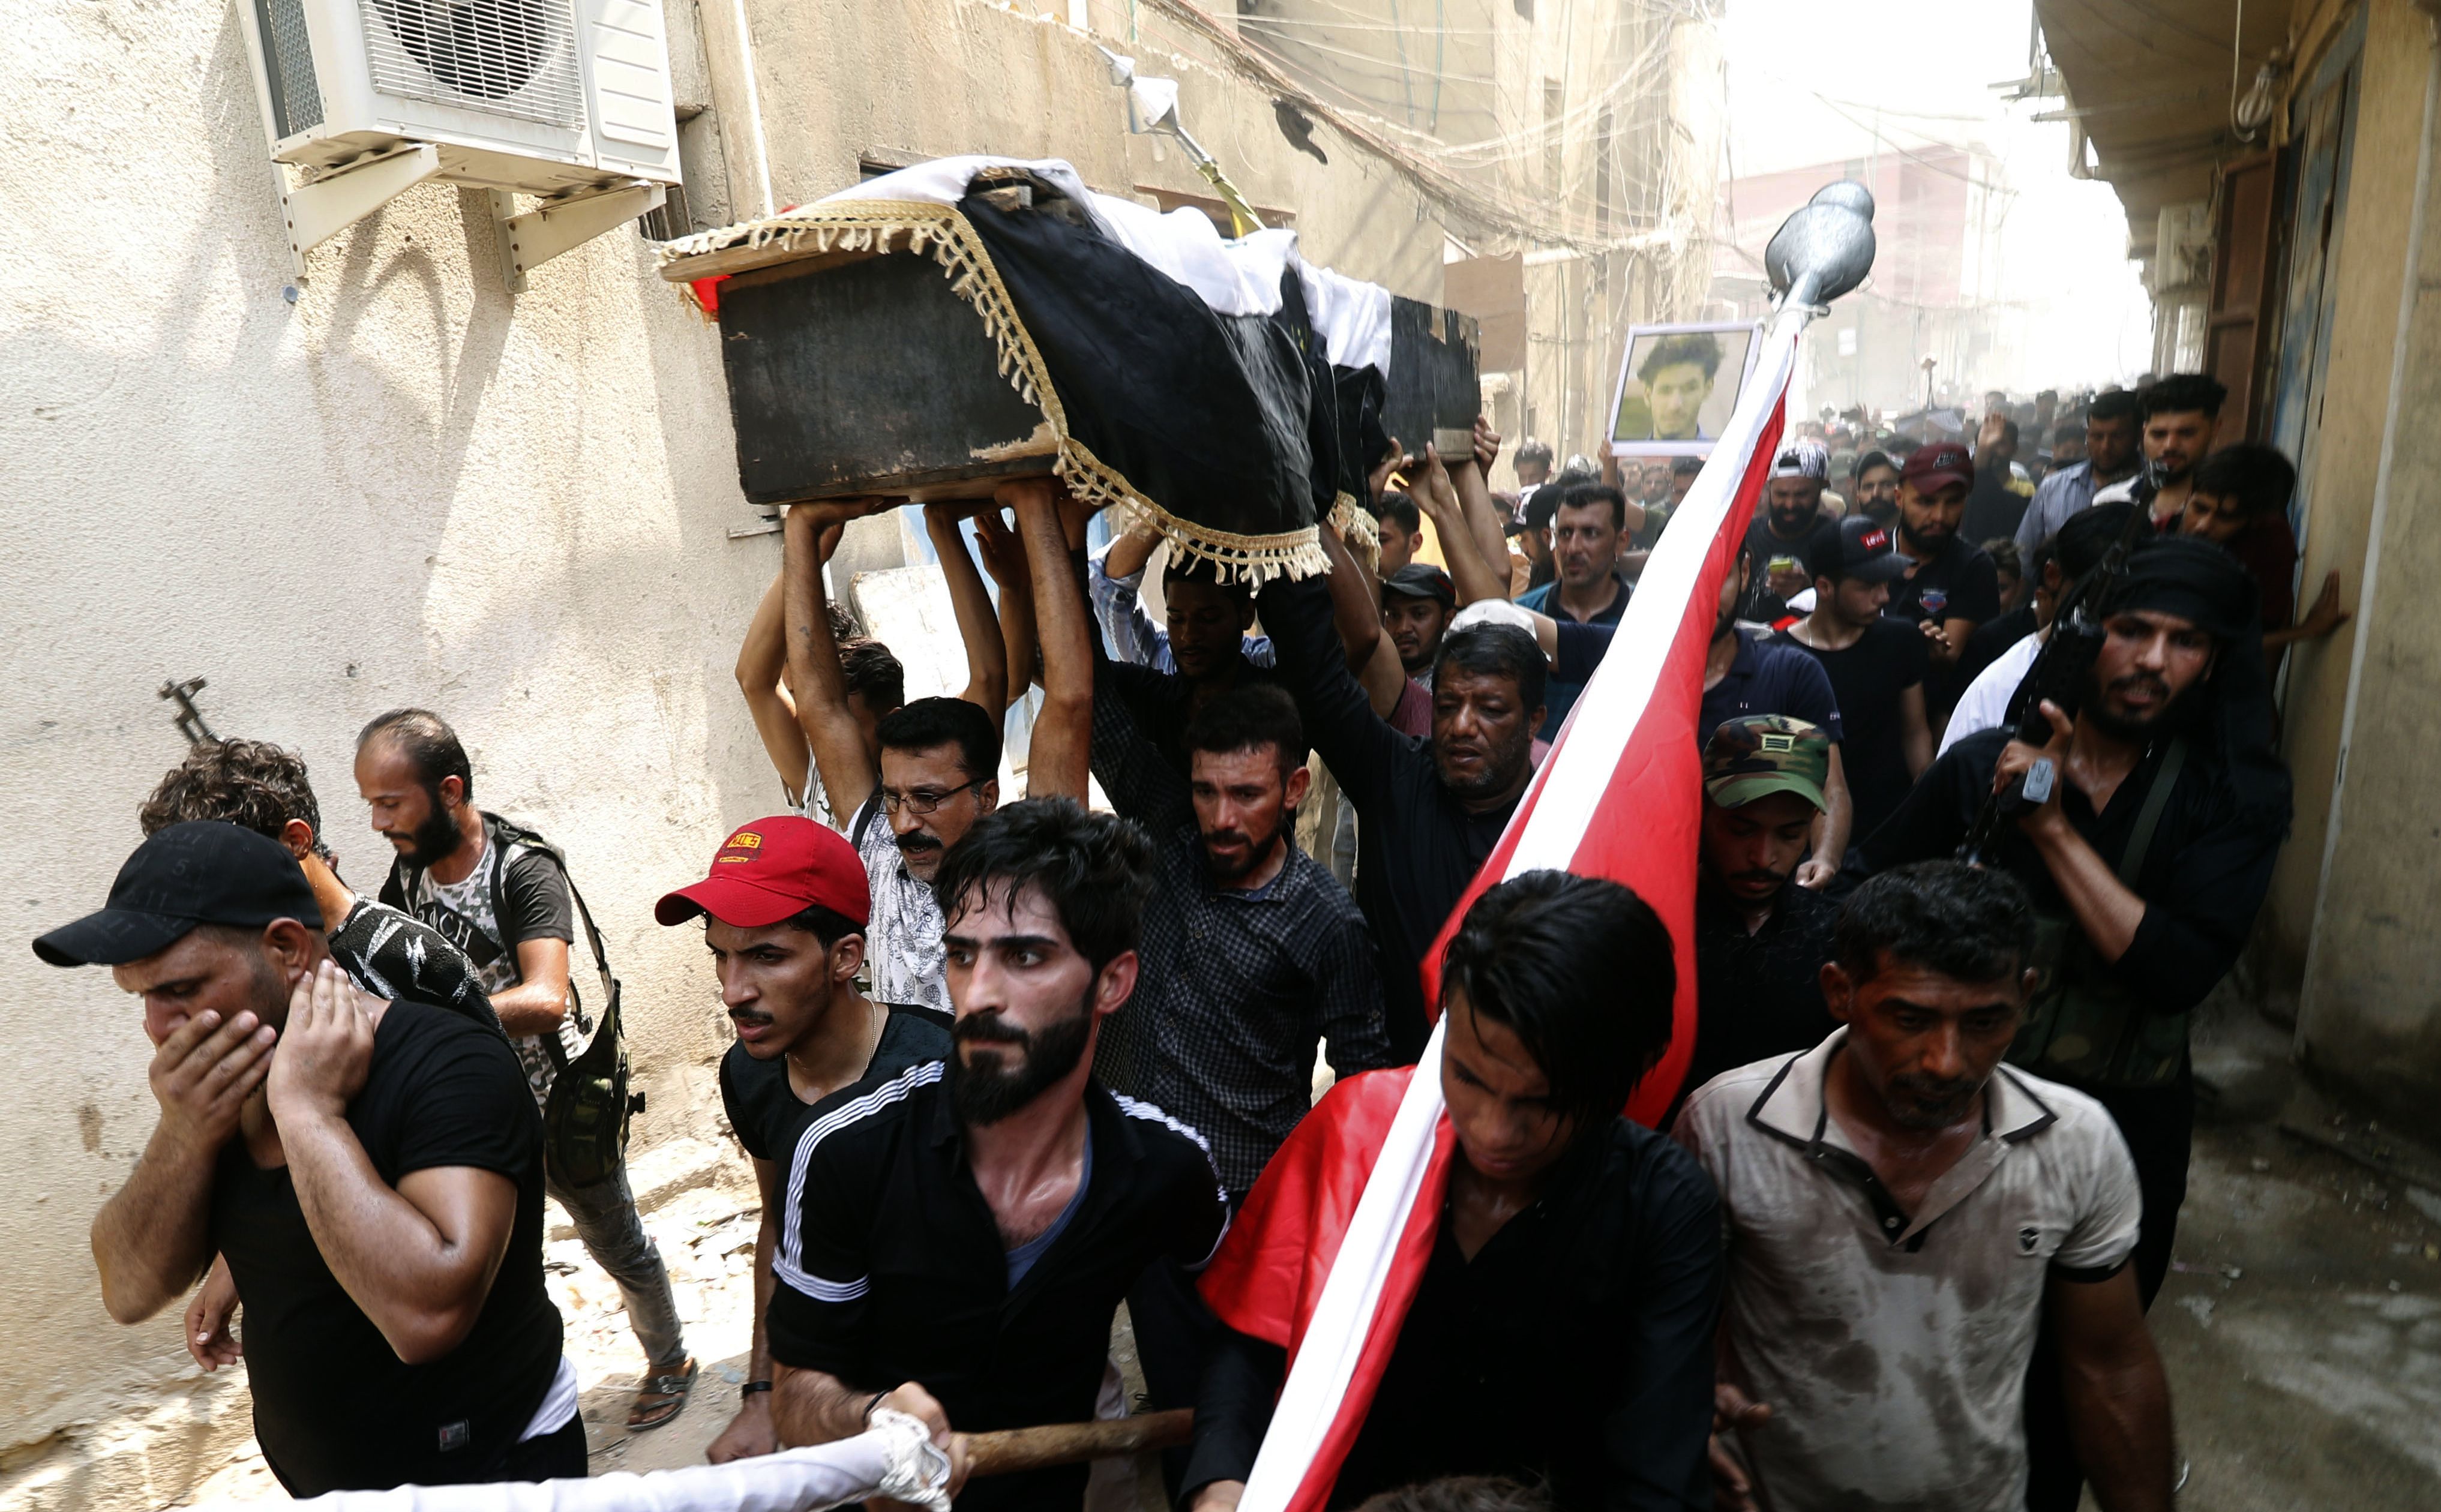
point(1678, 386)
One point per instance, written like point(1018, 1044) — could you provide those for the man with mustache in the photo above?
point(1252, 953)
point(938, 768)
point(1905, 1214)
point(1586, 527)
point(1874, 664)
point(2107, 455)
point(784, 914)
point(500, 894)
point(962, 1233)
point(1873, 489)
point(1781, 540)
point(1759, 939)
point(2147, 864)
point(1431, 809)
point(368, 1171)
point(2178, 416)
point(1417, 602)
point(2055, 569)
point(1561, 1330)
point(1951, 585)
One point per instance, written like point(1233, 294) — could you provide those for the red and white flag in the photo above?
point(1339, 1241)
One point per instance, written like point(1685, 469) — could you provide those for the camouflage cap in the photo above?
point(1765, 753)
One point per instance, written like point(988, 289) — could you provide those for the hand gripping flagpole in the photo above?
point(1819, 253)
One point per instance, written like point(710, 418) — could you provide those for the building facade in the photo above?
point(1587, 139)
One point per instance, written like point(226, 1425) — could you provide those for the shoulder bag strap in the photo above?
point(506, 834)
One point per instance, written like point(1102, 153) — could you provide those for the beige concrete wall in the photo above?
point(404, 488)
point(2347, 455)
point(2370, 1011)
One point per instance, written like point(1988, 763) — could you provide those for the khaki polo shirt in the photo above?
point(1892, 1346)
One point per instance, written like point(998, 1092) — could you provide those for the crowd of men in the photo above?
point(1001, 1067)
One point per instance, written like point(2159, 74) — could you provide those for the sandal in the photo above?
point(660, 1397)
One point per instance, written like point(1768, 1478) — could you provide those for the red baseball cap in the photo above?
point(1939, 462)
point(774, 869)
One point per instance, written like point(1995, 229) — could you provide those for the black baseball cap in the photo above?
point(202, 872)
point(1422, 580)
point(1856, 545)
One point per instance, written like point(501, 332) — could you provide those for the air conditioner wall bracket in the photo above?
point(320, 208)
point(557, 226)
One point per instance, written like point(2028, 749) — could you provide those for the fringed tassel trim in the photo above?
point(1360, 529)
point(879, 226)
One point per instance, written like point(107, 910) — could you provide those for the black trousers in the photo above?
point(2159, 1124)
point(1174, 1336)
point(558, 1455)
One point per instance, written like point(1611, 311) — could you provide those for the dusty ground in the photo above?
point(2301, 1323)
point(2302, 1329)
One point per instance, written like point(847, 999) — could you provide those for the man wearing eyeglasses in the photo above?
point(938, 773)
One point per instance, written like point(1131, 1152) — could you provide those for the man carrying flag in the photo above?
point(1563, 1328)
point(1617, 799)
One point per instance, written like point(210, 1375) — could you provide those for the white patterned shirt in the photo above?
point(902, 939)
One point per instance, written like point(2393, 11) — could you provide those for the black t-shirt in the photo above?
point(766, 1111)
point(1994, 509)
point(1138, 745)
point(1577, 1346)
point(1758, 994)
point(1868, 678)
point(891, 1266)
point(334, 1407)
point(1761, 604)
point(1958, 582)
point(399, 957)
point(1417, 845)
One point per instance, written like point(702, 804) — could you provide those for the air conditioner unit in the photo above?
point(2182, 249)
point(564, 98)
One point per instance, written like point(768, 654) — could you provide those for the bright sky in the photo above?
point(1805, 79)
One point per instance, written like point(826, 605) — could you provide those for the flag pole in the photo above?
point(1822, 251)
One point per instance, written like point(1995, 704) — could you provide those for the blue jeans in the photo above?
point(607, 1220)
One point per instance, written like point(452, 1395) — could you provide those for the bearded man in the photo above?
point(1252, 953)
point(962, 1233)
point(1431, 808)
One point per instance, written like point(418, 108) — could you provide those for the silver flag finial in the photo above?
point(1826, 249)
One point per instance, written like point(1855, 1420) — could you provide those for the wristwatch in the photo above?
point(751, 1387)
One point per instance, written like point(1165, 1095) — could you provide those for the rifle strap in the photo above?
point(2149, 818)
